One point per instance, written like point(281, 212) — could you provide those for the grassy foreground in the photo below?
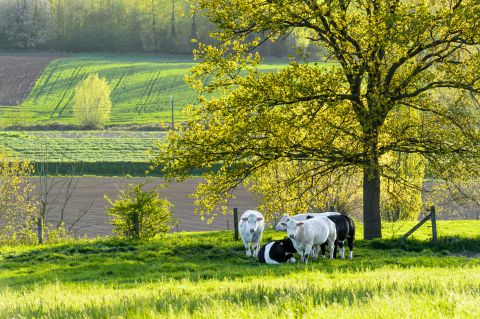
point(206, 275)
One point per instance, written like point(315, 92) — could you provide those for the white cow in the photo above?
point(309, 235)
point(282, 224)
point(251, 227)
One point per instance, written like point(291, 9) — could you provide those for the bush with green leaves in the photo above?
point(154, 213)
point(92, 105)
point(18, 205)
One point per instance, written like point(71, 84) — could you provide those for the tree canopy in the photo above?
point(406, 80)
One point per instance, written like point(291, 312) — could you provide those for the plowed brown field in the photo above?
point(19, 72)
point(89, 196)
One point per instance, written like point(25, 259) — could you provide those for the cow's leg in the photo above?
point(342, 249)
point(255, 249)
point(322, 246)
point(350, 247)
point(308, 251)
point(247, 247)
point(331, 247)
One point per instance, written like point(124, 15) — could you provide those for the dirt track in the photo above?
point(18, 74)
point(90, 193)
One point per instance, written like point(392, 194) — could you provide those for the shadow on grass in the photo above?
point(212, 255)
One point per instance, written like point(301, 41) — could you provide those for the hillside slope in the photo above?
point(141, 88)
point(19, 72)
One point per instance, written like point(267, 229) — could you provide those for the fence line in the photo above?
point(430, 217)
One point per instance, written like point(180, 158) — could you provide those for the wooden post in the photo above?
point(228, 224)
point(176, 225)
point(417, 226)
point(235, 223)
point(40, 230)
point(173, 116)
point(332, 208)
point(136, 225)
point(434, 224)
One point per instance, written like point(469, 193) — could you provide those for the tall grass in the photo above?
point(206, 275)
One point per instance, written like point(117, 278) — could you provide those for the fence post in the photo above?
point(433, 218)
point(332, 208)
point(228, 224)
point(40, 230)
point(136, 225)
point(173, 117)
point(235, 223)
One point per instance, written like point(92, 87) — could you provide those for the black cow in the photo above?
point(278, 251)
point(345, 231)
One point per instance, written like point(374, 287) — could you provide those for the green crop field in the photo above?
point(141, 88)
point(206, 275)
point(72, 146)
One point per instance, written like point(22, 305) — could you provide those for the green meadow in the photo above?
point(141, 89)
point(206, 275)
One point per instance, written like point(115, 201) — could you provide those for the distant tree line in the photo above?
point(156, 26)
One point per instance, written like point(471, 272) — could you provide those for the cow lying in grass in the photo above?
point(282, 224)
point(251, 227)
point(278, 251)
point(307, 236)
point(345, 229)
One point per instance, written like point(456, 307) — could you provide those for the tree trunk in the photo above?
point(371, 203)
point(371, 191)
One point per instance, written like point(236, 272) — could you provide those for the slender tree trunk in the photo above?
point(371, 191)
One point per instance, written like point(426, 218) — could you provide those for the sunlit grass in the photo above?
point(206, 275)
point(141, 88)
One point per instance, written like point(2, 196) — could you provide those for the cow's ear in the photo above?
point(259, 218)
point(286, 215)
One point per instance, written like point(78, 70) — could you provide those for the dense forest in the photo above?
point(156, 26)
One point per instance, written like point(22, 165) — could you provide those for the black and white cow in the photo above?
point(278, 251)
point(345, 231)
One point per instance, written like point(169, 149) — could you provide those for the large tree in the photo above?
point(390, 56)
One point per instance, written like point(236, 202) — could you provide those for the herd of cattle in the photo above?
point(308, 234)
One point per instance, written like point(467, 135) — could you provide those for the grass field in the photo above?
point(101, 153)
point(206, 275)
point(83, 146)
point(141, 87)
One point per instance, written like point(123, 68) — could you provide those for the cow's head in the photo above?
point(293, 227)
point(251, 223)
point(282, 224)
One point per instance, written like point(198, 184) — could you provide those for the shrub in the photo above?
point(18, 206)
point(154, 216)
point(92, 105)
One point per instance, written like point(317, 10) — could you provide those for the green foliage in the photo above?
point(391, 55)
point(18, 206)
point(92, 105)
point(206, 275)
point(154, 216)
point(157, 26)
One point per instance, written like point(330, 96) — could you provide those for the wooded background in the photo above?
point(154, 26)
